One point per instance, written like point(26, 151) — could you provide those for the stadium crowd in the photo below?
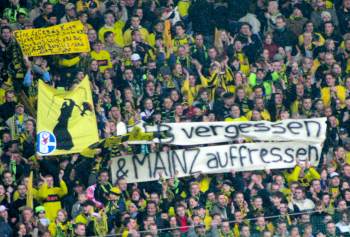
point(231, 61)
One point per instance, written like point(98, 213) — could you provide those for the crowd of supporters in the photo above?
point(247, 60)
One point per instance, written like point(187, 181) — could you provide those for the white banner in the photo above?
point(198, 133)
point(215, 159)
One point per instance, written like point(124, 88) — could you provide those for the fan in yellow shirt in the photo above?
point(181, 39)
point(332, 92)
point(235, 115)
point(190, 89)
point(112, 26)
point(259, 106)
point(135, 25)
point(102, 57)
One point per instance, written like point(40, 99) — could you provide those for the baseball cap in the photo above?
point(115, 190)
point(3, 208)
point(88, 203)
point(69, 6)
point(135, 57)
point(334, 174)
point(39, 209)
point(19, 105)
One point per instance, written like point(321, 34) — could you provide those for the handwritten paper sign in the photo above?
point(61, 39)
point(214, 159)
point(198, 133)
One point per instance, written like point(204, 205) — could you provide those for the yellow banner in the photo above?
point(61, 39)
point(66, 120)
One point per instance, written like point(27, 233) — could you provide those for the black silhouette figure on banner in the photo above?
point(63, 137)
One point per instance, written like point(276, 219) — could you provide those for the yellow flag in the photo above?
point(134, 135)
point(29, 201)
point(66, 119)
point(60, 39)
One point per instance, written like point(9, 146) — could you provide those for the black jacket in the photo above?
point(5, 229)
point(200, 14)
point(284, 38)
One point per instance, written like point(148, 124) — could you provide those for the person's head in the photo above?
point(174, 95)
point(109, 37)
point(62, 216)
point(115, 113)
point(257, 202)
point(7, 178)
point(10, 96)
point(19, 109)
point(136, 36)
point(260, 221)
point(342, 205)
point(195, 188)
point(21, 18)
point(122, 184)
point(168, 103)
point(154, 197)
point(88, 207)
point(151, 208)
point(316, 185)
point(199, 40)
point(70, 10)
point(328, 27)
point(128, 74)
point(331, 228)
point(135, 21)
point(245, 231)
point(103, 176)
point(229, 99)
point(22, 190)
point(280, 22)
point(346, 4)
point(6, 33)
point(259, 104)
point(278, 98)
point(92, 35)
point(180, 211)
point(83, 17)
point(299, 193)
point(49, 180)
point(97, 46)
point(335, 180)
point(222, 200)
point(3, 212)
point(21, 229)
point(272, 7)
point(80, 229)
point(345, 217)
point(47, 8)
point(27, 214)
point(180, 29)
point(282, 227)
point(225, 227)
point(329, 59)
point(330, 80)
point(239, 198)
point(235, 111)
point(30, 125)
point(307, 103)
point(212, 53)
point(109, 18)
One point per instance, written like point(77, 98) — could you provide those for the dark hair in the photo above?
point(107, 34)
